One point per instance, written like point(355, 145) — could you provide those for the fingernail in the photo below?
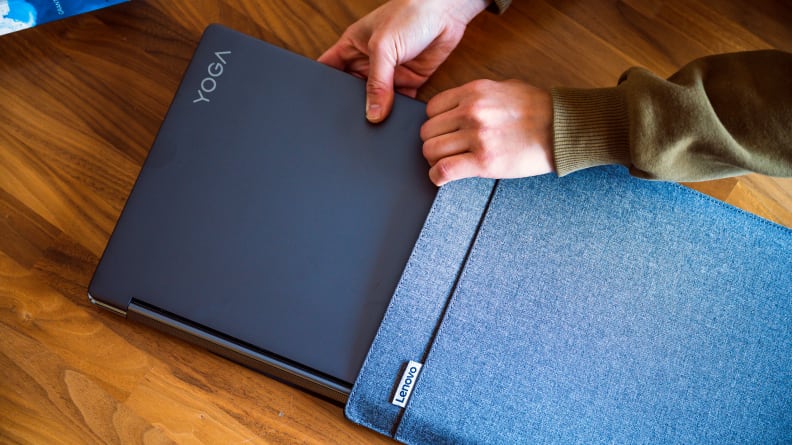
point(373, 111)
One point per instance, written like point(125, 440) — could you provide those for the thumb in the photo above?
point(379, 86)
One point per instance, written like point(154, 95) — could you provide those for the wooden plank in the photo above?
point(82, 99)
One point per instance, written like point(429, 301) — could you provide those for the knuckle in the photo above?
point(477, 140)
point(385, 45)
point(484, 159)
point(376, 87)
point(378, 42)
point(443, 171)
point(480, 140)
point(474, 113)
point(480, 85)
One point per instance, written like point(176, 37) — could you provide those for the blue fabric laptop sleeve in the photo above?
point(586, 309)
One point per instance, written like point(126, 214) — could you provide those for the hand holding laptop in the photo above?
point(400, 44)
point(489, 129)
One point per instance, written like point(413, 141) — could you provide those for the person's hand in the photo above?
point(489, 129)
point(399, 45)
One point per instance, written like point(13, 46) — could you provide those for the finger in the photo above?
point(332, 57)
point(453, 168)
point(444, 146)
point(358, 65)
point(440, 124)
point(406, 78)
point(379, 87)
point(410, 92)
point(442, 102)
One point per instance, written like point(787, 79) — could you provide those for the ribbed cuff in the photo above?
point(498, 6)
point(590, 128)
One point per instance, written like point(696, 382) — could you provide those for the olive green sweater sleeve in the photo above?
point(499, 6)
point(718, 116)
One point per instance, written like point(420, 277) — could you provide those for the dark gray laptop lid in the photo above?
point(269, 211)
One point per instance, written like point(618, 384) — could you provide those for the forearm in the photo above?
point(718, 116)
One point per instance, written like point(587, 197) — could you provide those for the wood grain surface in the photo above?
point(81, 101)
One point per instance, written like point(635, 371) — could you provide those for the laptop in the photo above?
point(270, 222)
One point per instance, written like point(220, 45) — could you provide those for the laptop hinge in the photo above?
point(106, 306)
point(253, 359)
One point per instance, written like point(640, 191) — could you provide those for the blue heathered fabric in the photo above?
point(419, 300)
point(594, 308)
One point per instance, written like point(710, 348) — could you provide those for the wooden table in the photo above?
point(80, 103)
